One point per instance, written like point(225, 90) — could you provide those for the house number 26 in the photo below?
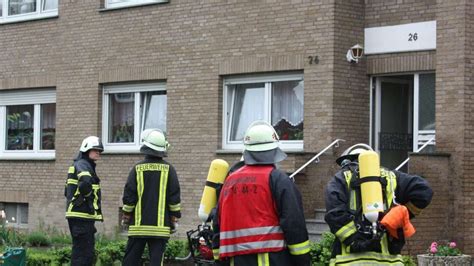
point(412, 37)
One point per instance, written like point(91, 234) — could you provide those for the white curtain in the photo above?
point(287, 102)
point(248, 107)
point(155, 113)
point(48, 126)
point(48, 116)
point(50, 4)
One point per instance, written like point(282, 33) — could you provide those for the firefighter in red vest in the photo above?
point(260, 217)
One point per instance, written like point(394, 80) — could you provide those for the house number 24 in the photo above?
point(313, 59)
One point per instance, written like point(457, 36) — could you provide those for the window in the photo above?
point(27, 124)
point(130, 109)
point(277, 99)
point(16, 213)
point(20, 10)
point(125, 3)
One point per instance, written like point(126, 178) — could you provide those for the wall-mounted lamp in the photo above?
point(355, 53)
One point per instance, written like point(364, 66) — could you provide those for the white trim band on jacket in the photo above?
point(252, 246)
point(251, 232)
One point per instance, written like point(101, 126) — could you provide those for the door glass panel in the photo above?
point(395, 136)
point(427, 102)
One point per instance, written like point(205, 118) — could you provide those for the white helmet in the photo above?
point(260, 136)
point(155, 139)
point(91, 143)
point(352, 153)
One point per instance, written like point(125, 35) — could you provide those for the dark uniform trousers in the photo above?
point(83, 248)
point(135, 247)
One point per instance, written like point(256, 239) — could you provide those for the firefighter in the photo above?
point(151, 201)
point(83, 198)
point(355, 243)
point(260, 217)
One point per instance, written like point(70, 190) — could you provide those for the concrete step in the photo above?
point(315, 236)
point(316, 225)
point(319, 214)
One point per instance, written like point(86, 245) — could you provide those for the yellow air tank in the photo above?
point(371, 191)
point(216, 175)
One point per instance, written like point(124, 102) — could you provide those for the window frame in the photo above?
point(138, 89)
point(38, 14)
point(286, 145)
point(131, 4)
point(26, 97)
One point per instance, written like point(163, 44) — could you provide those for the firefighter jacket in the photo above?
point(82, 190)
point(260, 219)
point(344, 214)
point(152, 195)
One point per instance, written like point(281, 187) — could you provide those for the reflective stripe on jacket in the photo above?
point(250, 223)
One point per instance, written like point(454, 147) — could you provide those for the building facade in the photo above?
point(202, 70)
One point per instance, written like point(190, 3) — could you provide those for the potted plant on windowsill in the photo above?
point(444, 253)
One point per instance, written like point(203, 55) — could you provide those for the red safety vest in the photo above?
point(248, 218)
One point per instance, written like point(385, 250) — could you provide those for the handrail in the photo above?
point(421, 148)
point(316, 157)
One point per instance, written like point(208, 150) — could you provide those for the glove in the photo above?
point(398, 217)
point(362, 245)
point(174, 224)
point(126, 216)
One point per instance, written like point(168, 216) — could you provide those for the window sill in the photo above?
point(124, 6)
point(16, 226)
point(45, 156)
point(288, 151)
point(121, 150)
point(25, 18)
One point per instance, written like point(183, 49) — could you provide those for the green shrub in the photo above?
point(60, 239)
point(321, 251)
point(408, 261)
point(38, 239)
point(38, 258)
point(11, 237)
point(112, 252)
point(62, 255)
point(176, 248)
